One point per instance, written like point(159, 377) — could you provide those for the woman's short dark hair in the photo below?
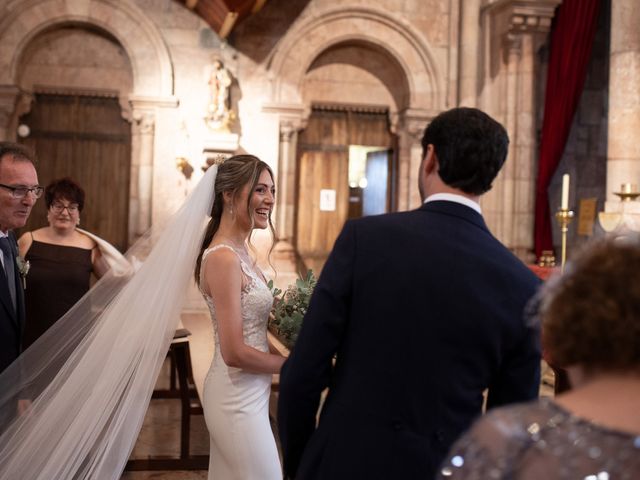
point(591, 314)
point(471, 148)
point(64, 188)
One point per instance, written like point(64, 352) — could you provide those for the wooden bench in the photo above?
point(180, 370)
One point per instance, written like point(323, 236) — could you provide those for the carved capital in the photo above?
point(8, 97)
point(415, 130)
point(512, 44)
point(292, 117)
point(287, 130)
point(143, 122)
point(523, 16)
point(413, 122)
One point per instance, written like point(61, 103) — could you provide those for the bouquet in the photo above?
point(289, 309)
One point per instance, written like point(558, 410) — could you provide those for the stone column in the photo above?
point(144, 115)
point(513, 33)
point(142, 136)
point(284, 254)
point(469, 53)
point(623, 151)
point(513, 54)
point(286, 180)
point(410, 129)
point(8, 98)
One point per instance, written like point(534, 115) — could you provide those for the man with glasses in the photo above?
point(19, 191)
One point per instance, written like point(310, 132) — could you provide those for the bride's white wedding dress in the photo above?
point(236, 402)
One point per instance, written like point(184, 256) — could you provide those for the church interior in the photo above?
point(135, 99)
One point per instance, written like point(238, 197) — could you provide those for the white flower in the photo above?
point(23, 268)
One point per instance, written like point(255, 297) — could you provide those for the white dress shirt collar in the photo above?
point(452, 197)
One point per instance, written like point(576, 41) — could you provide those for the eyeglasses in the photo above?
point(21, 191)
point(59, 208)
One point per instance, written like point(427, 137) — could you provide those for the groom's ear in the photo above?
point(430, 160)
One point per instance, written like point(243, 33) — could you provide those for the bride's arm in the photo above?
point(223, 280)
point(273, 349)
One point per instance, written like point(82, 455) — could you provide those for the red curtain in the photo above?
point(572, 35)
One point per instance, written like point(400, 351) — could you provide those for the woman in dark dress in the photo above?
point(61, 260)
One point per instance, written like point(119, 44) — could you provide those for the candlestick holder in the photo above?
point(564, 217)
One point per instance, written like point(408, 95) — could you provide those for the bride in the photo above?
point(237, 387)
point(87, 382)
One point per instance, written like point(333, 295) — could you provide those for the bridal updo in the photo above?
point(233, 174)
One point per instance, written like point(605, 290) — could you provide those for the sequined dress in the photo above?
point(542, 441)
point(236, 402)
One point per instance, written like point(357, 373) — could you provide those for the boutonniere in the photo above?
point(23, 268)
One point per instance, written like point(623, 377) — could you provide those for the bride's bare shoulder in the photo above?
point(219, 255)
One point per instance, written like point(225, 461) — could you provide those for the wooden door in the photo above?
point(85, 138)
point(319, 222)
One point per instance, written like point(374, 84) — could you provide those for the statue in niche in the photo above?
point(219, 115)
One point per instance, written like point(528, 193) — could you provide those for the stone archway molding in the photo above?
point(153, 79)
point(149, 56)
point(396, 36)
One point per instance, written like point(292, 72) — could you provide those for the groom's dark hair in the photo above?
point(471, 148)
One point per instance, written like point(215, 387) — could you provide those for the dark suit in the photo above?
point(425, 311)
point(11, 321)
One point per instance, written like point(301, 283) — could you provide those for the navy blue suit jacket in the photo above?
point(11, 321)
point(423, 311)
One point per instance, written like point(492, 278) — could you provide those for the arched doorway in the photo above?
point(75, 123)
point(85, 138)
point(151, 89)
point(346, 169)
point(392, 67)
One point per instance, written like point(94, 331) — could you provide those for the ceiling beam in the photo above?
point(223, 15)
point(228, 24)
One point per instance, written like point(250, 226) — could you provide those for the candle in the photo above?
point(564, 205)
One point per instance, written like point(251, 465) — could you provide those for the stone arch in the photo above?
point(366, 25)
point(150, 60)
point(372, 59)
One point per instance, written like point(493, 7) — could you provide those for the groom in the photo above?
point(18, 193)
point(423, 311)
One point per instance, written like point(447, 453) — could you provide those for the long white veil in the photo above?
point(91, 376)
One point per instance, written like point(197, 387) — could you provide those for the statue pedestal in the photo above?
point(219, 144)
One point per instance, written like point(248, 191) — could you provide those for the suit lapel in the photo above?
point(5, 298)
point(20, 313)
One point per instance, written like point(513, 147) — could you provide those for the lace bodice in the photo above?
point(542, 440)
point(256, 301)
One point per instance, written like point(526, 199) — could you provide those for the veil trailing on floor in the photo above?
point(89, 379)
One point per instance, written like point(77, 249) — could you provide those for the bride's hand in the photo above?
point(24, 405)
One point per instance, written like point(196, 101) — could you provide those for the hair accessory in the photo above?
point(219, 160)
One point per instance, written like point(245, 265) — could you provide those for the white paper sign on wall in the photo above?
point(327, 200)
